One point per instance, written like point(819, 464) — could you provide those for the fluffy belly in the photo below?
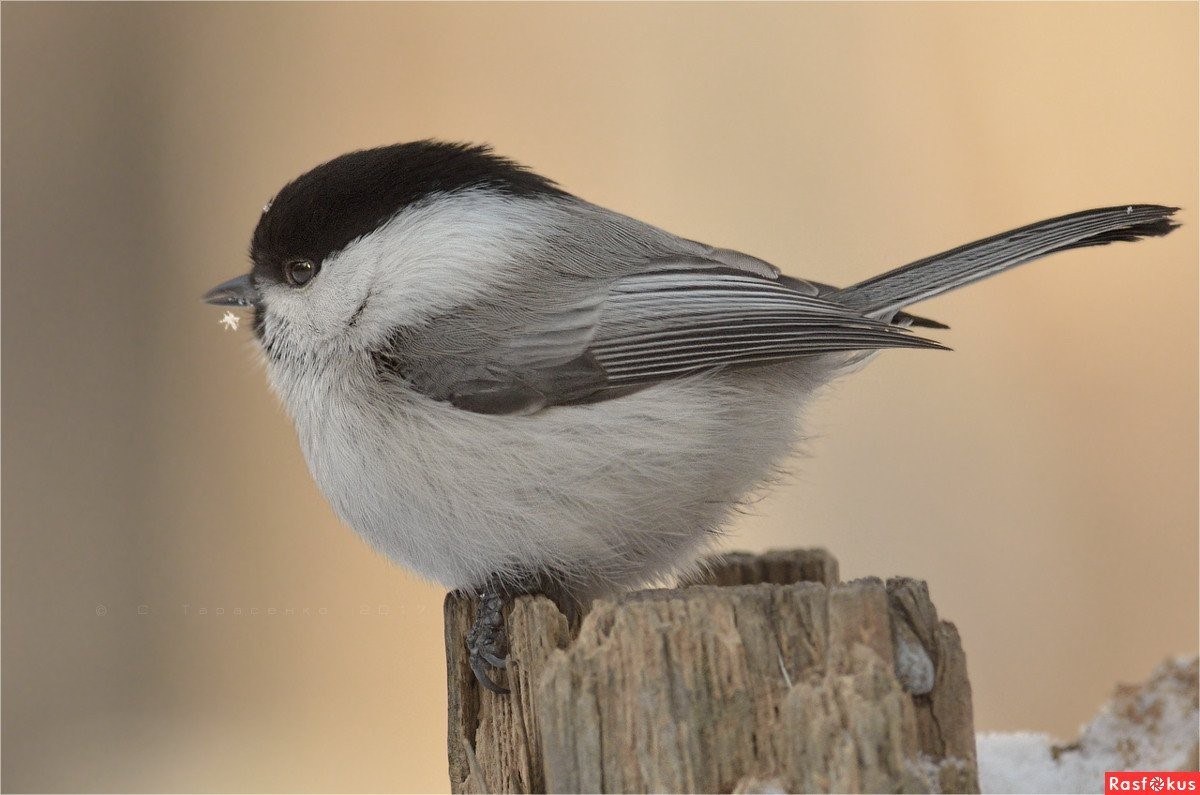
point(603, 496)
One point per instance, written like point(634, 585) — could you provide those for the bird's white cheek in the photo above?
point(434, 257)
point(313, 315)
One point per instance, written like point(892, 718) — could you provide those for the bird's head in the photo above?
point(378, 239)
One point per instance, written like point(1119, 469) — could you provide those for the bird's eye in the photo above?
point(300, 272)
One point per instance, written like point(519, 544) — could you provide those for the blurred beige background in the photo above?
point(1043, 477)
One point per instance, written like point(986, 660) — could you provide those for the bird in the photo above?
point(508, 389)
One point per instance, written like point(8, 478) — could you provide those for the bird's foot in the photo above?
point(487, 642)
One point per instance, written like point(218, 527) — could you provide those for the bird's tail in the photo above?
point(883, 295)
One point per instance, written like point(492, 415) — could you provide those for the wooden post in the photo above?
point(766, 676)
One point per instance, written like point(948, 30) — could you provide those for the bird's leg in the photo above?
point(487, 642)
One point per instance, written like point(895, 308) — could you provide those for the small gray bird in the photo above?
point(510, 390)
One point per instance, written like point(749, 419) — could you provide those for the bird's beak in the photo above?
point(239, 291)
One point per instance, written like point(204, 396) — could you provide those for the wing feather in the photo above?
point(610, 337)
point(665, 324)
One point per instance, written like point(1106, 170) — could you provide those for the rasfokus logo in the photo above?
point(1151, 781)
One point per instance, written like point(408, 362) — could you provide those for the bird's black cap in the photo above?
point(321, 212)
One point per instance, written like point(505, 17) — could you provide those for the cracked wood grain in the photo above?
point(765, 674)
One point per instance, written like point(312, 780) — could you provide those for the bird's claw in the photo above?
point(486, 641)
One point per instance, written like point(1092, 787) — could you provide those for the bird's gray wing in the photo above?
point(827, 291)
point(635, 331)
point(665, 325)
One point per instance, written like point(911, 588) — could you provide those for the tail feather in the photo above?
point(883, 295)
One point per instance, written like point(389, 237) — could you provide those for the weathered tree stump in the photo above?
point(767, 675)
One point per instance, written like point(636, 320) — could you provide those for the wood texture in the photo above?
point(763, 675)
